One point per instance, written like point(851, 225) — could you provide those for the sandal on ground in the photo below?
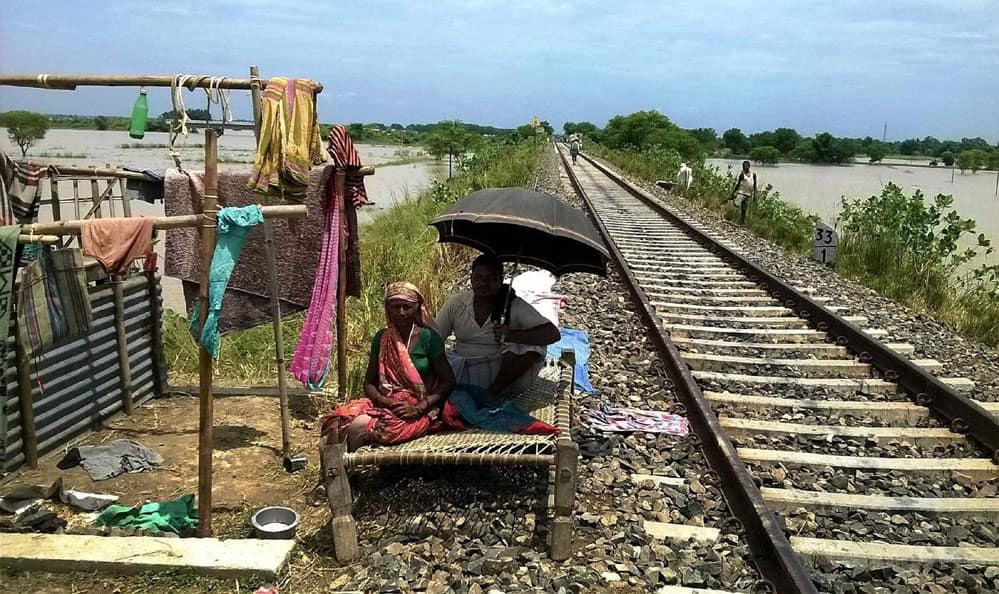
point(591, 446)
point(317, 496)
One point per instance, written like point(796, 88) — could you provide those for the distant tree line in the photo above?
point(646, 129)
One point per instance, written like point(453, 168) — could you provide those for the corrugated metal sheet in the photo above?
point(76, 384)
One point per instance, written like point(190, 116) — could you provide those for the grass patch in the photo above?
point(62, 155)
point(398, 245)
point(908, 250)
point(770, 217)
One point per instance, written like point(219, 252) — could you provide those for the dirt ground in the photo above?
point(247, 475)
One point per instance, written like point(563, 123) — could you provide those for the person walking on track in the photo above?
point(744, 191)
point(574, 149)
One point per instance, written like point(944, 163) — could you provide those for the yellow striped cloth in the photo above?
point(289, 138)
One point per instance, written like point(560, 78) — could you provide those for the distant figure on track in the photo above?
point(685, 177)
point(574, 149)
point(744, 191)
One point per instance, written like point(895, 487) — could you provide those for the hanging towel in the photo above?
point(172, 516)
point(19, 193)
point(233, 226)
point(289, 138)
point(345, 156)
point(472, 405)
point(311, 362)
point(116, 243)
point(578, 341)
point(298, 244)
point(53, 303)
point(626, 420)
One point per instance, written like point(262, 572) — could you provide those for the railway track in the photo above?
point(837, 451)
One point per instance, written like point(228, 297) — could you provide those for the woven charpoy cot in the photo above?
point(549, 399)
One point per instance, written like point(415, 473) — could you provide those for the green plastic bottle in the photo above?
point(137, 128)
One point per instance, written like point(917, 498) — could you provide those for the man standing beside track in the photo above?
point(744, 191)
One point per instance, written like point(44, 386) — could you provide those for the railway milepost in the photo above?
point(824, 246)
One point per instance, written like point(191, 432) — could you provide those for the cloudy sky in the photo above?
point(927, 67)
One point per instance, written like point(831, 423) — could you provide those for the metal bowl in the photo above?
point(275, 522)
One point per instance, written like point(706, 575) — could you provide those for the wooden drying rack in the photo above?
point(208, 224)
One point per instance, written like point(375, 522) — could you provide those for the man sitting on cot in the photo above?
point(500, 342)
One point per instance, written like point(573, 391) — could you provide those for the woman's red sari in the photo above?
point(397, 379)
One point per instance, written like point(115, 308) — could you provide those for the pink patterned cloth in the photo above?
point(311, 362)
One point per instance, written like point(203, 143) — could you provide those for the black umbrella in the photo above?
point(519, 225)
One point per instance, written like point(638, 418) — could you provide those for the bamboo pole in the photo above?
point(54, 198)
point(68, 170)
point(45, 239)
point(256, 97)
point(76, 198)
point(126, 202)
point(29, 440)
point(278, 339)
point(209, 226)
point(124, 368)
point(69, 82)
point(275, 297)
point(73, 226)
point(156, 316)
point(95, 197)
point(341, 293)
point(109, 192)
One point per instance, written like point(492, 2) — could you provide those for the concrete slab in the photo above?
point(772, 334)
point(818, 349)
point(791, 499)
point(844, 385)
point(667, 531)
point(879, 552)
point(898, 412)
point(810, 367)
point(925, 437)
point(659, 480)
point(204, 556)
point(976, 468)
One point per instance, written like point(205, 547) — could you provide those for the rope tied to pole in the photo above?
point(214, 92)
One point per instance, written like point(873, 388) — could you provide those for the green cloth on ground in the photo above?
point(172, 516)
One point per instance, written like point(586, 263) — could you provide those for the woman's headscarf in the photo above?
point(408, 292)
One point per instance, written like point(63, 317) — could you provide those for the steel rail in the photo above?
point(775, 558)
point(964, 414)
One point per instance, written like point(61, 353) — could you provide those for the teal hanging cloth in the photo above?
point(140, 111)
point(234, 225)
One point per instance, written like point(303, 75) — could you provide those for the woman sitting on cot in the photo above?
point(407, 381)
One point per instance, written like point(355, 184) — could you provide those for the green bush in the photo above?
point(766, 155)
point(909, 250)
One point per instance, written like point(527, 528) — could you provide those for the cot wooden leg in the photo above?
point(340, 500)
point(566, 459)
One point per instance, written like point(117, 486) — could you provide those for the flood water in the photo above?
point(819, 189)
point(389, 185)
